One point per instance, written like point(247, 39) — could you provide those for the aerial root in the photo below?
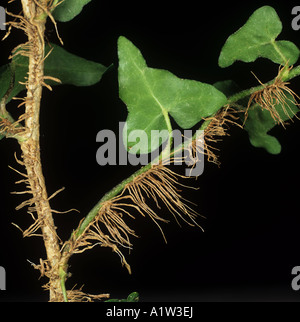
point(77, 295)
point(64, 212)
point(160, 183)
point(20, 173)
point(217, 128)
point(54, 79)
point(10, 128)
point(31, 231)
point(117, 233)
point(60, 212)
point(80, 296)
point(47, 11)
point(18, 161)
point(43, 267)
point(274, 96)
point(31, 208)
point(25, 203)
point(37, 222)
point(6, 127)
point(109, 229)
point(73, 295)
point(19, 22)
point(56, 193)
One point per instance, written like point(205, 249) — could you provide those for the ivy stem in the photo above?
point(30, 141)
point(293, 73)
point(120, 187)
point(236, 97)
point(243, 94)
point(111, 194)
point(115, 191)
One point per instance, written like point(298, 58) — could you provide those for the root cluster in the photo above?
point(276, 99)
point(109, 229)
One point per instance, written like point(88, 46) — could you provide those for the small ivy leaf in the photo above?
point(257, 38)
point(133, 297)
point(68, 68)
point(260, 122)
point(69, 9)
point(151, 95)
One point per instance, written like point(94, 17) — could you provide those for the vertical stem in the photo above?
point(30, 142)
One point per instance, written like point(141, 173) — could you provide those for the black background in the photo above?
point(251, 239)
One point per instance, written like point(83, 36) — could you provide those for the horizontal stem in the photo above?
point(293, 73)
point(243, 94)
point(111, 194)
point(120, 187)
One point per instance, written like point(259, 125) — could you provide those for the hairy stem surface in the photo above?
point(30, 141)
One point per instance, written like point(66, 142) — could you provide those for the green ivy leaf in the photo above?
point(133, 297)
point(69, 9)
point(260, 122)
point(227, 87)
point(71, 69)
point(5, 78)
point(257, 38)
point(68, 68)
point(151, 95)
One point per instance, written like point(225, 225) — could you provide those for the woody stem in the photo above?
point(30, 140)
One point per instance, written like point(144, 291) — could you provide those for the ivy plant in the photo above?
point(156, 100)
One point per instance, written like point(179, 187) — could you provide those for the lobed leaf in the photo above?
point(60, 64)
point(151, 95)
point(68, 68)
point(257, 38)
point(260, 122)
point(69, 9)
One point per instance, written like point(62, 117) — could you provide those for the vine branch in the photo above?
point(33, 22)
point(119, 188)
point(30, 139)
point(116, 190)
